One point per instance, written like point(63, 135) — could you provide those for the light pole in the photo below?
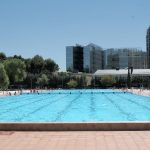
point(129, 77)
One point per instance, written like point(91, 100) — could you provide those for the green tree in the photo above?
point(18, 57)
point(4, 81)
point(2, 56)
point(50, 66)
point(43, 80)
point(72, 83)
point(28, 65)
point(30, 80)
point(53, 81)
point(37, 64)
point(15, 69)
point(108, 81)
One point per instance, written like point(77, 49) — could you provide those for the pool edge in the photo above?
point(75, 126)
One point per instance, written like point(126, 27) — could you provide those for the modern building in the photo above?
point(148, 47)
point(125, 57)
point(74, 58)
point(84, 58)
point(92, 58)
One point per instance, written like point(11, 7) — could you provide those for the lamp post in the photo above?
point(130, 71)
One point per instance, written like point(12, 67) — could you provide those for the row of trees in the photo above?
point(119, 82)
point(17, 71)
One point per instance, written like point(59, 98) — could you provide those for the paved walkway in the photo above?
point(97, 140)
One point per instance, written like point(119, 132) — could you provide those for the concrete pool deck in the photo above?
point(85, 140)
point(144, 92)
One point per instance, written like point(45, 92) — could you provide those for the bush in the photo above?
point(108, 81)
point(72, 84)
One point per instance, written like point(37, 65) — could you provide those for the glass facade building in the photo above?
point(84, 58)
point(74, 58)
point(69, 58)
point(123, 58)
point(92, 58)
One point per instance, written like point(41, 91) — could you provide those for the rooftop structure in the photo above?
point(122, 72)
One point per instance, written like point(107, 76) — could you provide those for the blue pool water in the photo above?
point(75, 106)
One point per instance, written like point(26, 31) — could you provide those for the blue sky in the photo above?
point(45, 27)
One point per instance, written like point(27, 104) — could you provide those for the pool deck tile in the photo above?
point(75, 140)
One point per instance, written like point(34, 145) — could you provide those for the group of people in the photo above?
point(14, 93)
point(34, 91)
point(18, 92)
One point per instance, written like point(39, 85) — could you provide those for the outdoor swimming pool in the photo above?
point(75, 106)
